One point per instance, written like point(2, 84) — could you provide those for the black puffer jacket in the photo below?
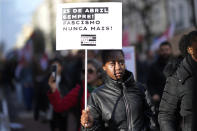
point(177, 99)
point(117, 106)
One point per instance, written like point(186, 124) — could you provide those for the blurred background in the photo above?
point(27, 46)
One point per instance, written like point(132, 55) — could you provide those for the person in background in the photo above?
point(58, 120)
point(177, 98)
point(26, 79)
point(76, 97)
point(41, 71)
point(156, 79)
point(94, 71)
point(119, 104)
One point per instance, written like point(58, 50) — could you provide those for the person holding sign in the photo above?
point(119, 104)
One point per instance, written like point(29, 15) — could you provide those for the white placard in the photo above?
point(89, 26)
point(130, 62)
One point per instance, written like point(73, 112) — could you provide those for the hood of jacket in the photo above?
point(128, 81)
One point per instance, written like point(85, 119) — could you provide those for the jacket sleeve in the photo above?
point(63, 104)
point(95, 113)
point(147, 111)
point(168, 105)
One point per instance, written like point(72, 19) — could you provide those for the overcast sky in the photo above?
point(13, 15)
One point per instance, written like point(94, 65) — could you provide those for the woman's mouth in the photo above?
point(119, 74)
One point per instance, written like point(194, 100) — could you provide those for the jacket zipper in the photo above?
point(128, 109)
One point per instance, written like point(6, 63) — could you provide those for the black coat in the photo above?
point(117, 105)
point(177, 99)
point(156, 78)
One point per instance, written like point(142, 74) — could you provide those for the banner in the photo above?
point(89, 26)
point(129, 53)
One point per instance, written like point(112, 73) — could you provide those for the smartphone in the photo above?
point(54, 71)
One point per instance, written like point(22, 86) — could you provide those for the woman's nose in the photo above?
point(117, 66)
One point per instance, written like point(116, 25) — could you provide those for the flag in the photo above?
point(27, 51)
point(125, 38)
point(168, 34)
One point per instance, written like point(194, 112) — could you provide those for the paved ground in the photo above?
point(29, 124)
point(22, 120)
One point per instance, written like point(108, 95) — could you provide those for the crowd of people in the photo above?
point(161, 99)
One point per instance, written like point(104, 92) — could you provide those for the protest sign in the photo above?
point(89, 26)
point(129, 53)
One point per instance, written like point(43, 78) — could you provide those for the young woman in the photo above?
point(76, 97)
point(119, 104)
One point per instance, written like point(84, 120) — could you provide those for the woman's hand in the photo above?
point(86, 119)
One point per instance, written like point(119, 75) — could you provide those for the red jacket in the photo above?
point(68, 101)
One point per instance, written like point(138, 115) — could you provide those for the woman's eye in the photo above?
point(111, 63)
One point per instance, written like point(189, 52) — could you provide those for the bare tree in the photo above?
point(144, 9)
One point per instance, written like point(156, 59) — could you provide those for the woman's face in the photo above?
point(115, 68)
point(192, 50)
point(92, 74)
